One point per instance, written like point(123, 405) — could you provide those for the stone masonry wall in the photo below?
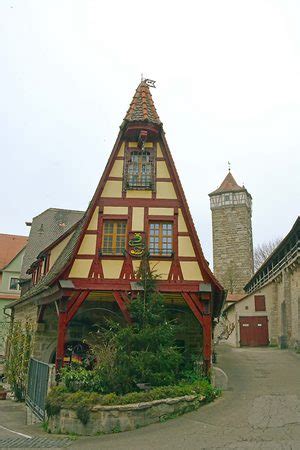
point(232, 246)
point(111, 419)
point(282, 297)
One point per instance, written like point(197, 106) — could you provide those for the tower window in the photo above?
point(139, 169)
point(161, 238)
point(114, 237)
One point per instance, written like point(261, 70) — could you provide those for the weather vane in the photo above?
point(229, 166)
point(150, 83)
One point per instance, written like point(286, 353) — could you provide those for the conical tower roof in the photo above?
point(142, 107)
point(228, 185)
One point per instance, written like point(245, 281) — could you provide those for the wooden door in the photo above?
point(254, 331)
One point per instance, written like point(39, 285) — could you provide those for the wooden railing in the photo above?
point(275, 270)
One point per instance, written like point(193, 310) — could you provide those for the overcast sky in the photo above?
point(228, 89)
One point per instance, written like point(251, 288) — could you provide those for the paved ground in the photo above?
point(261, 410)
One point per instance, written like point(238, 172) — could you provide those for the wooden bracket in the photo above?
point(119, 297)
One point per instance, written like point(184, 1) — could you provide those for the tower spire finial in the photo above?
point(229, 166)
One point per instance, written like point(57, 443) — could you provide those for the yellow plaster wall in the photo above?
point(138, 219)
point(117, 169)
point(138, 194)
point(162, 170)
point(162, 268)
point(88, 245)
point(165, 189)
point(93, 225)
point(158, 151)
point(121, 151)
point(115, 210)
point(136, 264)
point(80, 268)
point(112, 189)
point(56, 251)
point(112, 268)
point(135, 144)
point(185, 247)
point(181, 222)
point(161, 211)
point(191, 271)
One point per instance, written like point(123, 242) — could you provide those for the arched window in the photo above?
point(139, 170)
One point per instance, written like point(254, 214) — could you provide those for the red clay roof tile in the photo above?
point(142, 107)
point(10, 246)
point(228, 185)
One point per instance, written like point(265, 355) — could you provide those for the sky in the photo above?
point(228, 89)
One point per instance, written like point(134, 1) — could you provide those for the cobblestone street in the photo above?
point(260, 410)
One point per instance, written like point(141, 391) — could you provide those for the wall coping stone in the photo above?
point(145, 405)
point(109, 418)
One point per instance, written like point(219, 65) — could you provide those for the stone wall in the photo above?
point(110, 419)
point(232, 246)
point(282, 296)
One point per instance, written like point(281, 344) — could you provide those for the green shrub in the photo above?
point(144, 352)
point(19, 344)
point(82, 401)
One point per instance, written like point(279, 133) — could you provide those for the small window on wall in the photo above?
point(260, 302)
point(139, 170)
point(161, 239)
point(14, 284)
point(114, 237)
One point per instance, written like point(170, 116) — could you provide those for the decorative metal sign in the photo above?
point(137, 245)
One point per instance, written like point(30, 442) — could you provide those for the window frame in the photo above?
point(127, 161)
point(260, 303)
point(161, 237)
point(9, 284)
point(114, 236)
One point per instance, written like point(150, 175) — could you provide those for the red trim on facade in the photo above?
point(122, 306)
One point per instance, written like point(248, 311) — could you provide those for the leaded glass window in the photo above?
point(161, 238)
point(139, 170)
point(114, 237)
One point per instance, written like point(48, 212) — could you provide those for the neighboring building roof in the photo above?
point(287, 251)
point(46, 228)
point(142, 107)
point(234, 297)
point(59, 264)
point(10, 246)
point(228, 185)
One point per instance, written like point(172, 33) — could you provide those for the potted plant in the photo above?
point(3, 392)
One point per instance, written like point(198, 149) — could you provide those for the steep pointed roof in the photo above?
point(142, 107)
point(228, 185)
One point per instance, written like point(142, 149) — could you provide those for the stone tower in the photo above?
point(230, 205)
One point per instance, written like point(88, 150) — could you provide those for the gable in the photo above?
point(139, 208)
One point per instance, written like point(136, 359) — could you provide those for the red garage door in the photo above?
point(254, 331)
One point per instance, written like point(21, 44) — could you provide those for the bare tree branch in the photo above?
point(263, 251)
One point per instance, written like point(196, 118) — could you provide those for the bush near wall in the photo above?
point(89, 413)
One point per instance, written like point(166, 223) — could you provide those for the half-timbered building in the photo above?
point(89, 273)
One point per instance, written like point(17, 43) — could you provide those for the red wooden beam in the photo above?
point(72, 310)
point(205, 321)
point(122, 306)
point(207, 342)
point(189, 301)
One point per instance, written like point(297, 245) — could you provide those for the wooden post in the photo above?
point(61, 332)
point(207, 343)
point(61, 337)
